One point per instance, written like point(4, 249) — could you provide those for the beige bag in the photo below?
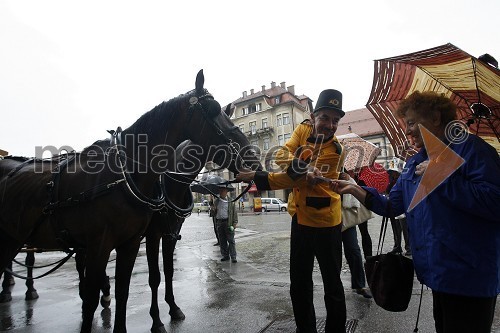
point(364, 214)
point(350, 218)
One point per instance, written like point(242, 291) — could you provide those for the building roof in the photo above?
point(359, 121)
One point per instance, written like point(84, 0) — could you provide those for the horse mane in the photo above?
point(17, 158)
point(159, 116)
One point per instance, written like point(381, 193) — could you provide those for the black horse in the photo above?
point(104, 197)
point(165, 226)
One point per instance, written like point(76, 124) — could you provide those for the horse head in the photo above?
point(212, 129)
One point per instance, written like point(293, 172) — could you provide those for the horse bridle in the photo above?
point(233, 146)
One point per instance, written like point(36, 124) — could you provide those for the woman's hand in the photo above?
point(342, 186)
point(420, 169)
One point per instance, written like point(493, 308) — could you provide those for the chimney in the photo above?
point(244, 94)
point(251, 91)
point(273, 84)
point(283, 85)
point(291, 90)
point(263, 88)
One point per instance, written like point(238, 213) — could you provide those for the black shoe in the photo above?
point(364, 292)
point(234, 260)
point(225, 259)
point(216, 244)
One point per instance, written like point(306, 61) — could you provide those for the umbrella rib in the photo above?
point(444, 85)
point(492, 126)
point(475, 79)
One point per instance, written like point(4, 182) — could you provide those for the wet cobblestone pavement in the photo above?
point(250, 296)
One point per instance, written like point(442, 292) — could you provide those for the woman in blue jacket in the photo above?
point(454, 219)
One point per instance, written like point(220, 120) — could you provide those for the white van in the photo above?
point(270, 204)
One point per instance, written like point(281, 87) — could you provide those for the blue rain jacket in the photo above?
point(455, 230)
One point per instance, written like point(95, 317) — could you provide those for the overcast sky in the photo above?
point(70, 70)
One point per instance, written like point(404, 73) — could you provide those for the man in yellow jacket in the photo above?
point(313, 152)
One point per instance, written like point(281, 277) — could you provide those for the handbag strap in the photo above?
point(383, 228)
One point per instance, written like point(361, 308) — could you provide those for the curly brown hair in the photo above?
point(429, 104)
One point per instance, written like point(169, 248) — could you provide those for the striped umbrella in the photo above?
point(472, 84)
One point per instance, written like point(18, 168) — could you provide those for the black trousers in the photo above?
point(462, 314)
point(326, 245)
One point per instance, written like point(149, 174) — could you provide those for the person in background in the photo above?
point(352, 252)
point(226, 219)
point(455, 229)
point(399, 225)
point(211, 213)
point(366, 240)
point(312, 152)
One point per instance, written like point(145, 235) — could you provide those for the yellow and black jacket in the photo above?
point(315, 205)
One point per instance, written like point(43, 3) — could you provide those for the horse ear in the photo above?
point(228, 110)
point(200, 81)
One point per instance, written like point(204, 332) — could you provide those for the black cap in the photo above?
point(330, 99)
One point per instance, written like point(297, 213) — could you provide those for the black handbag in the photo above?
point(389, 276)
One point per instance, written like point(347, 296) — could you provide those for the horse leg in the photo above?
point(105, 286)
point(125, 259)
point(168, 247)
point(31, 293)
point(106, 292)
point(80, 268)
point(95, 271)
point(8, 281)
point(152, 253)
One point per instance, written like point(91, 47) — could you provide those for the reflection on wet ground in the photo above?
point(247, 297)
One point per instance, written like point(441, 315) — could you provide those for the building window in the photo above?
point(280, 140)
point(286, 119)
point(266, 143)
point(254, 143)
point(253, 127)
point(242, 127)
point(244, 111)
point(287, 137)
point(258, 107)
point(278, 120)
point(264, 123)
point(277, 100)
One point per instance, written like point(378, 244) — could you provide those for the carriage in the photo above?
point(115, 191)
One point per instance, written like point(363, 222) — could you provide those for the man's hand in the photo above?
point(314, 176)
point(245, 175)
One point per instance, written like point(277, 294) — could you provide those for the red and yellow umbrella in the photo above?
point(473, 85)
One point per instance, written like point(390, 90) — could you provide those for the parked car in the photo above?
point(270, 204)
point(201, 207)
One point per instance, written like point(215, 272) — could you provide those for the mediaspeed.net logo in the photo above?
point(443, 161)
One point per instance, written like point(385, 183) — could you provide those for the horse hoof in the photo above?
point(177, 314)
point(105, 301)
point(31, 295)
point(159, 329)
point(5, 297)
